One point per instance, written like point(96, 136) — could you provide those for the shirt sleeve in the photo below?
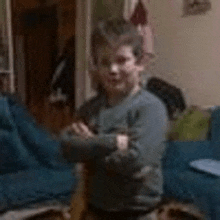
point(146, 147)
point(76, 149)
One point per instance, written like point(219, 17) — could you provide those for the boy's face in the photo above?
point(118, 70)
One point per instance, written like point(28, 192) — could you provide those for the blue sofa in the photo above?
point(183, 182)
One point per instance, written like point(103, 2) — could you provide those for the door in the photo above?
point(40, 46)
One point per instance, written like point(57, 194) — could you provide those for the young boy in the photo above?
point(120, 132)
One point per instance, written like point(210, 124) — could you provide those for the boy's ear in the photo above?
point(146, 59)
point(93, 71)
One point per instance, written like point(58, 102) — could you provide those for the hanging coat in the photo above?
point(169, 94)
point(62, 82)
point(136, 12)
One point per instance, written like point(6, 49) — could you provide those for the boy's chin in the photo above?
point(116, 88)
point(119, 88)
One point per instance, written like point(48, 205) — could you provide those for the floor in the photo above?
point(42, 213)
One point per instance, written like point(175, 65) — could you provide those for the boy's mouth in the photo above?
point(114, 81)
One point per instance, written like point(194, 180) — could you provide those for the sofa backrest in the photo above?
point(215, 132)
point(180, 154)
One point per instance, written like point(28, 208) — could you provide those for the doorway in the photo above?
point(40, 48)
point(39, 28)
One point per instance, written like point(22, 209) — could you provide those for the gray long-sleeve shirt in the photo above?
point(121, 181)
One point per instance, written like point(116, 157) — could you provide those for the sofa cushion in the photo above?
point(173, 186)
point(180, 154)
point(204, 186)
point(197, 187)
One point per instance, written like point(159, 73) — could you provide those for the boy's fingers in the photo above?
point(80, 129)
point(76, 129)
point(85, 130)
point(122, 142)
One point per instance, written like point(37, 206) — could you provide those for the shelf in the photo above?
point(5, 71)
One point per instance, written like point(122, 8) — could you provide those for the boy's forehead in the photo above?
point(113, 49)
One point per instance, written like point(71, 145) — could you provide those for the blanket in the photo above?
point(24, 144)
point(31, 170)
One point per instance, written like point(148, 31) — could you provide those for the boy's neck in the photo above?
point(114, 99)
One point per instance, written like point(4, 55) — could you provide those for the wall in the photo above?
point(188, 49)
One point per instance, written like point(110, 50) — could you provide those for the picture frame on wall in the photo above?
point(196, 7)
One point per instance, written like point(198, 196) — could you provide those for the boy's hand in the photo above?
point(81, 130)
point(122, 142)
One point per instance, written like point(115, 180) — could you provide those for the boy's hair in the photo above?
point(116, 31)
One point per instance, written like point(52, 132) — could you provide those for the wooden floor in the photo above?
point(49, 215)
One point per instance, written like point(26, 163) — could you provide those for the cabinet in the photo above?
point(6, 48)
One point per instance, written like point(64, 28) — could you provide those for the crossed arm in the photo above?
point(80, 134)
point(120, 152)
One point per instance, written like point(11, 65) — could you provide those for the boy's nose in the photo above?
point(114, 69)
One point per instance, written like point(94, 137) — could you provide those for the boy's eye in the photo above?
point(105, 62)
point(121, 60)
